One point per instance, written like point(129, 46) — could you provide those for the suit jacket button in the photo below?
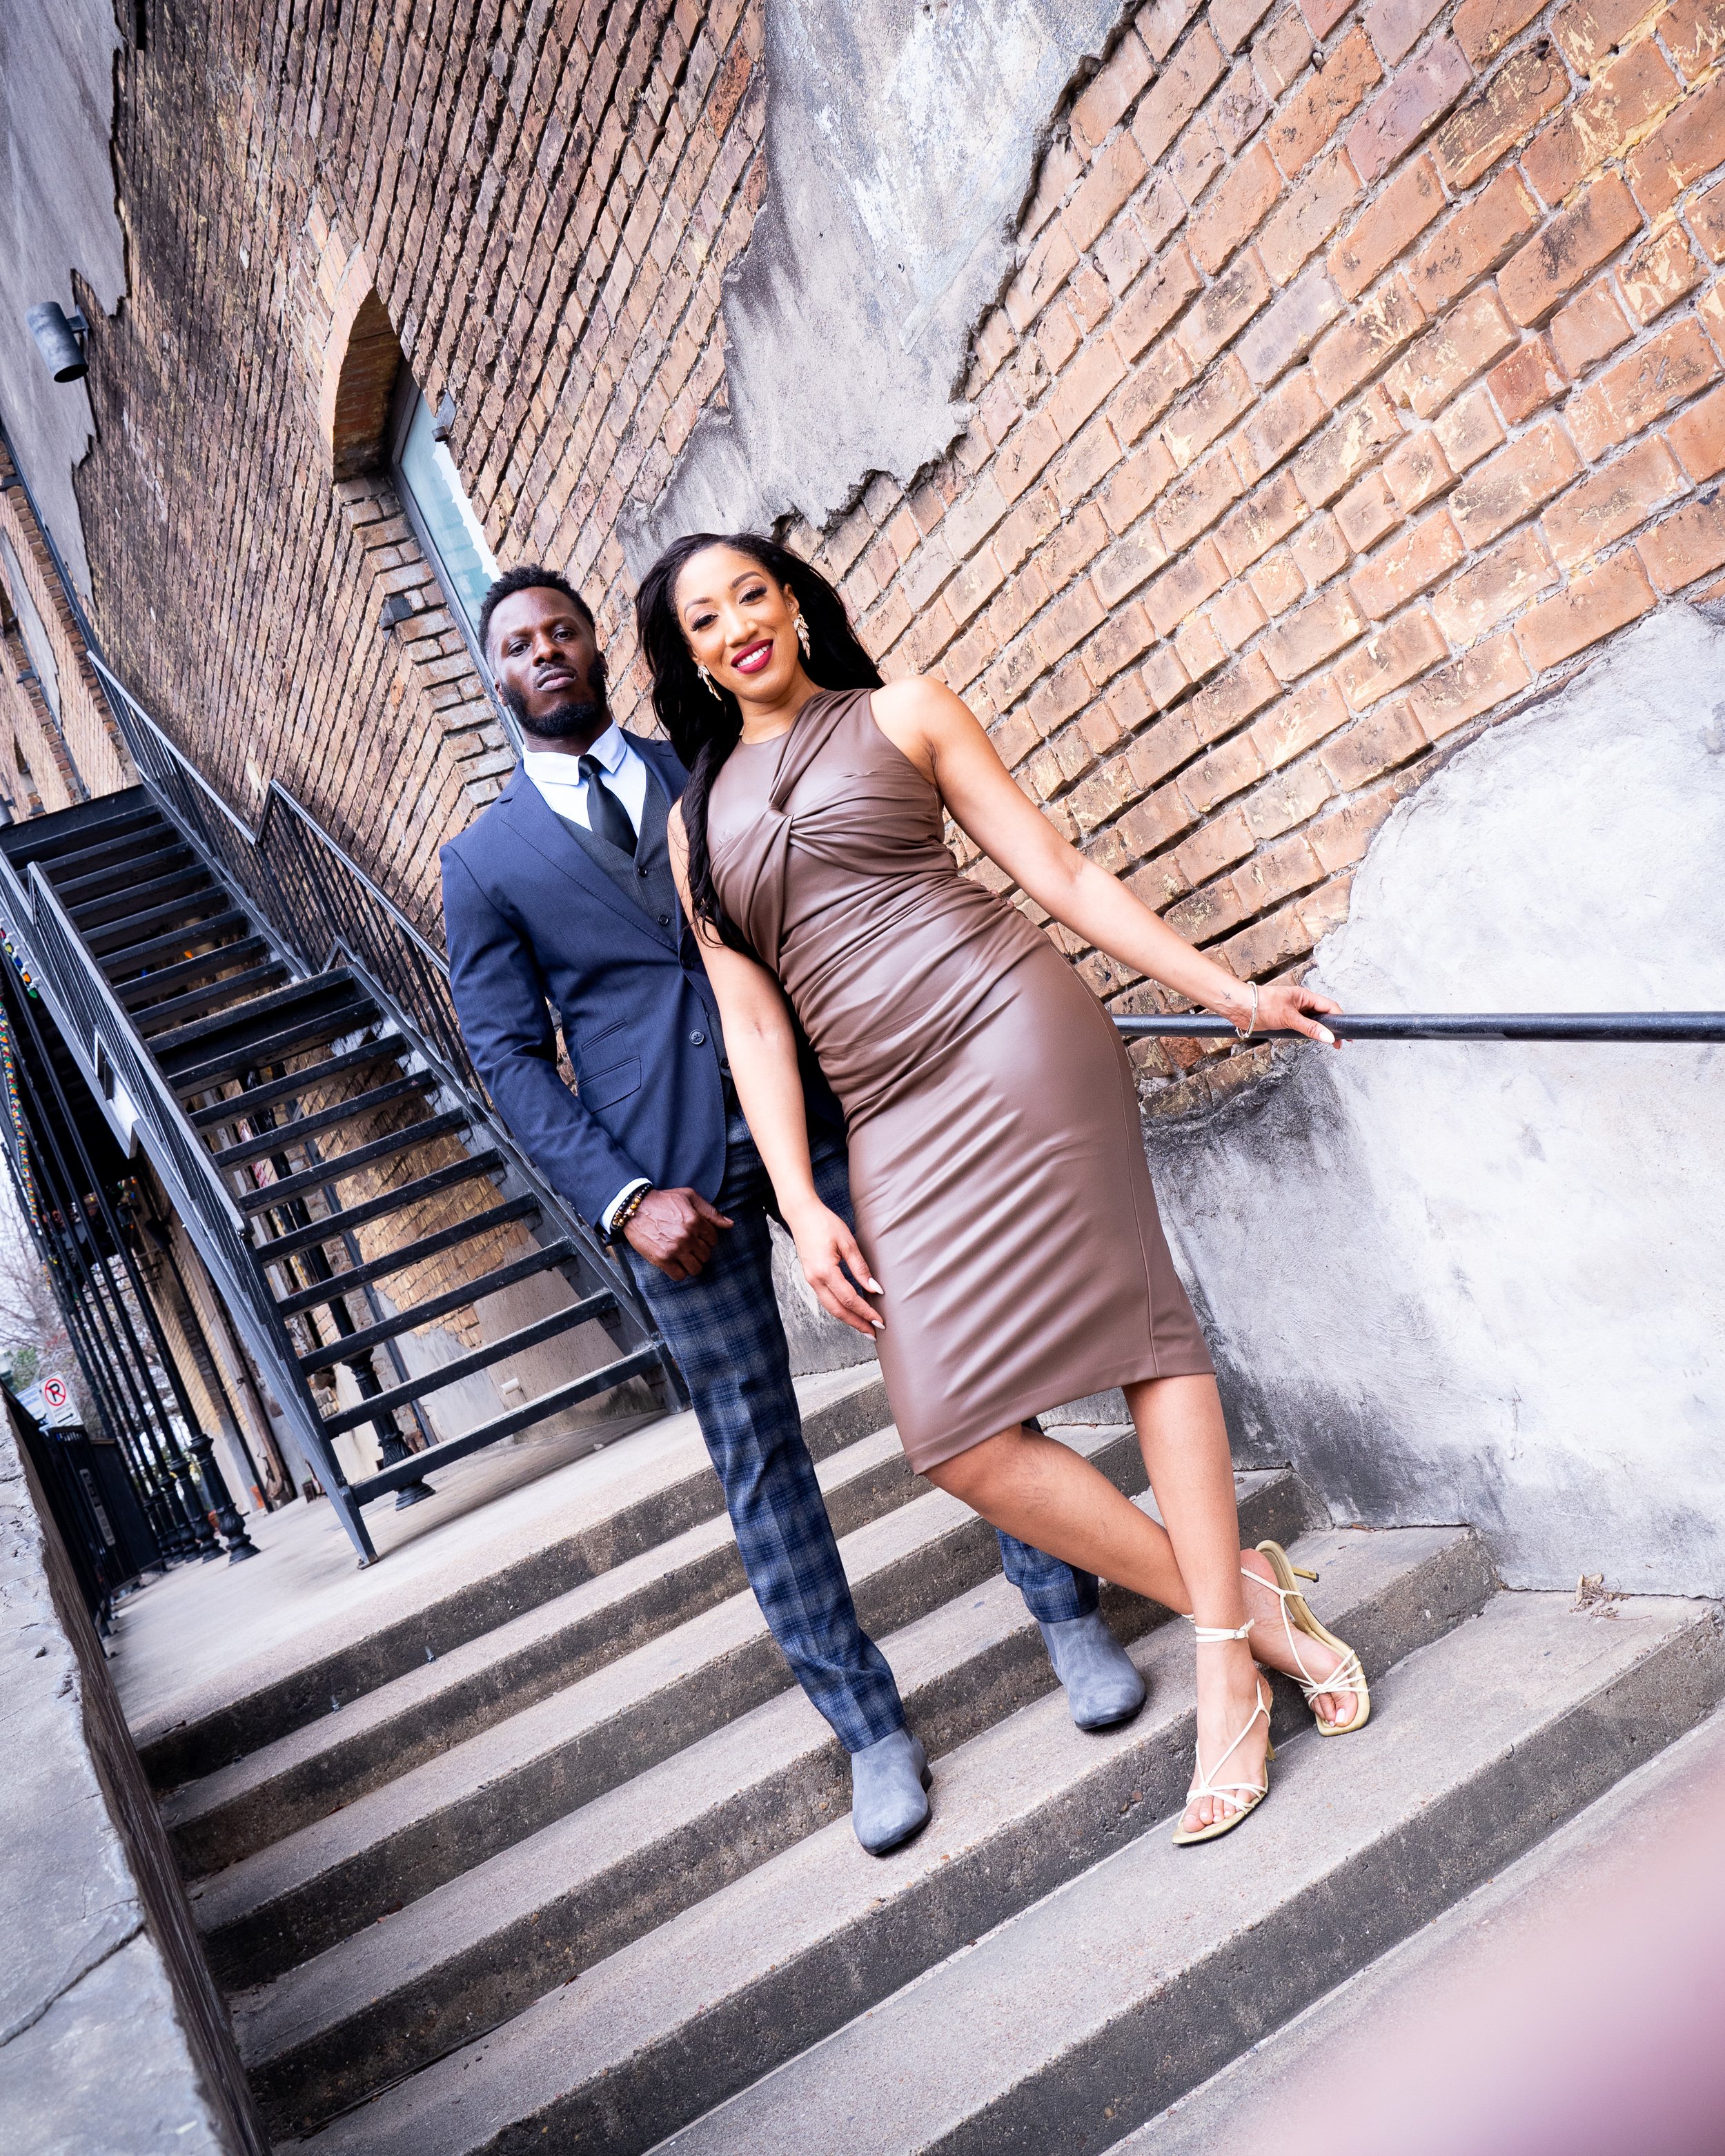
point(696, 1038)
point(640, 871)
point(665, 921)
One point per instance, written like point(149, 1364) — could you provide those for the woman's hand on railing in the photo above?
point(1281, 1007)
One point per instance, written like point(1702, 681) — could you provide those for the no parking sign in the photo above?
point(55, 1394)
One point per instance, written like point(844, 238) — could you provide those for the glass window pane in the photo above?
point(466, 562)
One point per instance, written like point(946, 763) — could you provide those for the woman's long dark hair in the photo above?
point(704, 727)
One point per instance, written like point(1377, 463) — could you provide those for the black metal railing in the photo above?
point(321, 903)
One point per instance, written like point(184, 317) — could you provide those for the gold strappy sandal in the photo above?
point(1245, 1797)
point(1296, 1617)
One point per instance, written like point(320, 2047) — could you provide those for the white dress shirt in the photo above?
point(558, 778)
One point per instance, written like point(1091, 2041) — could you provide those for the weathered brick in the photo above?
point(1694, 34)
point(1416, 470)
point(1690, 543)
point(1327, 466)
point(1153, 823)
point(1110, 91)
point(1387, 227)
point(1306, 120)
point(1232, 698)
point(1194, 502)
point(1299, 722)
point(1373, 745)
point(1479, 680)
point(1395, 26)
point(1160, 23)
point(1681, 150)
point(1356, 350)
point(1135, 484)
point(1223, 396)
point(1306, 216)
point(1180, 89)
point(1497, 116)
point(1592, 325)
point(1342, 837)
point(1155, 301)
point(1259, 524)
point(1698, 437)
point(1278, 423)
point(1468, 430)
point(1196, 576)
point(1149, 388)
point(1316, 633)
point(1318, 551)
point(1527, 382)
point(1198, 646)
point(1662, 374)
point(1413, 564)
point(1277, 583)
point(1479, 236)
point(1233, 21)
point(1620, 106)
point(1401, 113)
point(1084, 382)
point(1221, 772)
point(1561, 253)
point(1603, 506)
point(1366, 512)
point(1607, 598)
point(1514, 483)
point(1276, 873)
point(1483, 28)
point(1288, 326)
point(1497, 585)
point(1292, 797)
point(1214, 846)
point(1464, 342)
point(1235, 208)
point(1112, 180)
point(1588, 31)
point(1280, 52)
point(1658, 274)
point(1223, 309)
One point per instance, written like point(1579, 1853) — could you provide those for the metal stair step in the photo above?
point(335, 1224)
point(189, 917)
point(258, 1055)
point(628, 1499)
point(163, 980)
point(319, 991)
point(298, 1128)
point(1079, 2016)
point(425, 1827)
point(410, 1253)
point(428, 1382)
point(94, 913)
point(312, 1772)
point(974, 1674)
point(439, 1306)
point(326, 1172)
point(157, 1017)
point(157, 947)
point(239, 1106)
point(99, 837)
point(156, 854)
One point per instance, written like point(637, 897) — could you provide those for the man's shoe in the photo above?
point(888, 1781)
point(1102, 1687)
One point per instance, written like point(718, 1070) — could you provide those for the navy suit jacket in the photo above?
point(532, 922)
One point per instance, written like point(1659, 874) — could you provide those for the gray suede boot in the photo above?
point(888, 1780)
point(1102, 1687)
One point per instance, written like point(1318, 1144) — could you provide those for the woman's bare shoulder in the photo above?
point(916, 699)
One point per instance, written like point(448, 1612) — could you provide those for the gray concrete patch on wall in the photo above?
point(57, 215)
point(1482, 1283)
point(902, 139)
point(111, 2035)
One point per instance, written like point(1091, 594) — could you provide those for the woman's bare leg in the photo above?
point(1048, 1497)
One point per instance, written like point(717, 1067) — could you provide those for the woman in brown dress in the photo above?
point(1008, 1256)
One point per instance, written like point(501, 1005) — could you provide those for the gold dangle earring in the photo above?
point(708, 679)
point(803, 632)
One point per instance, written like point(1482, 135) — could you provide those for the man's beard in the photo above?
point(591, 715)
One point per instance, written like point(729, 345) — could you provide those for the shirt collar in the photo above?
point(549, 766)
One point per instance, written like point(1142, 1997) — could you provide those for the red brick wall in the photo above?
point(1361, 374)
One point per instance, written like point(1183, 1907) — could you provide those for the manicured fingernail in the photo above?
point(879, 1324)
point(874, 1286)
point(1327, 1036)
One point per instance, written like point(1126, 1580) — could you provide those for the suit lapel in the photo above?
point(537, 824)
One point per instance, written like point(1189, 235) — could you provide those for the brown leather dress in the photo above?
point(996, 1164)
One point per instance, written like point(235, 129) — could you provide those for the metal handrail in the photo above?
point(1454, 1025)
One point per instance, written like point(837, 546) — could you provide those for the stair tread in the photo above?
point(242, 1105)
point(339, 1166)
point(433, 1703)
point(131, 992)
point(272, 1047)
point(198, 932)
point(535, 1334)
point(544, 1259)
point(1584, 1870)
point(1140, 1943)
point(586, 1517)
point(302, 1127)
point(146, 1017)
point(685, 1829)
point(335, 988)
point(410, 1253)
point(334, 1226)
point(585, 1737)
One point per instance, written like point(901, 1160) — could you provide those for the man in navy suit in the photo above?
point(559, 899)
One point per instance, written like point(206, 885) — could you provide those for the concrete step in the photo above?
point(329, 1879)
point(314, 1770)
point(1094, 2009)
point(631, 1509)
point(1583, 1874)
point(486, 1945)
point(644, 2041)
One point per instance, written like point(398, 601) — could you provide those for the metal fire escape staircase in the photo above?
point(298, 1116)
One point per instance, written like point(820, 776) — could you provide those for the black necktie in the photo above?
point(607, 818)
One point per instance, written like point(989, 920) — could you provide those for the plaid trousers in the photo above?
point(723, 1327)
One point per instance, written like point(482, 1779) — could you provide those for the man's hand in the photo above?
point(676, 1230)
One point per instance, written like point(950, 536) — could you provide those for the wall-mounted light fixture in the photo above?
point(59, 338)
point(443, 418)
